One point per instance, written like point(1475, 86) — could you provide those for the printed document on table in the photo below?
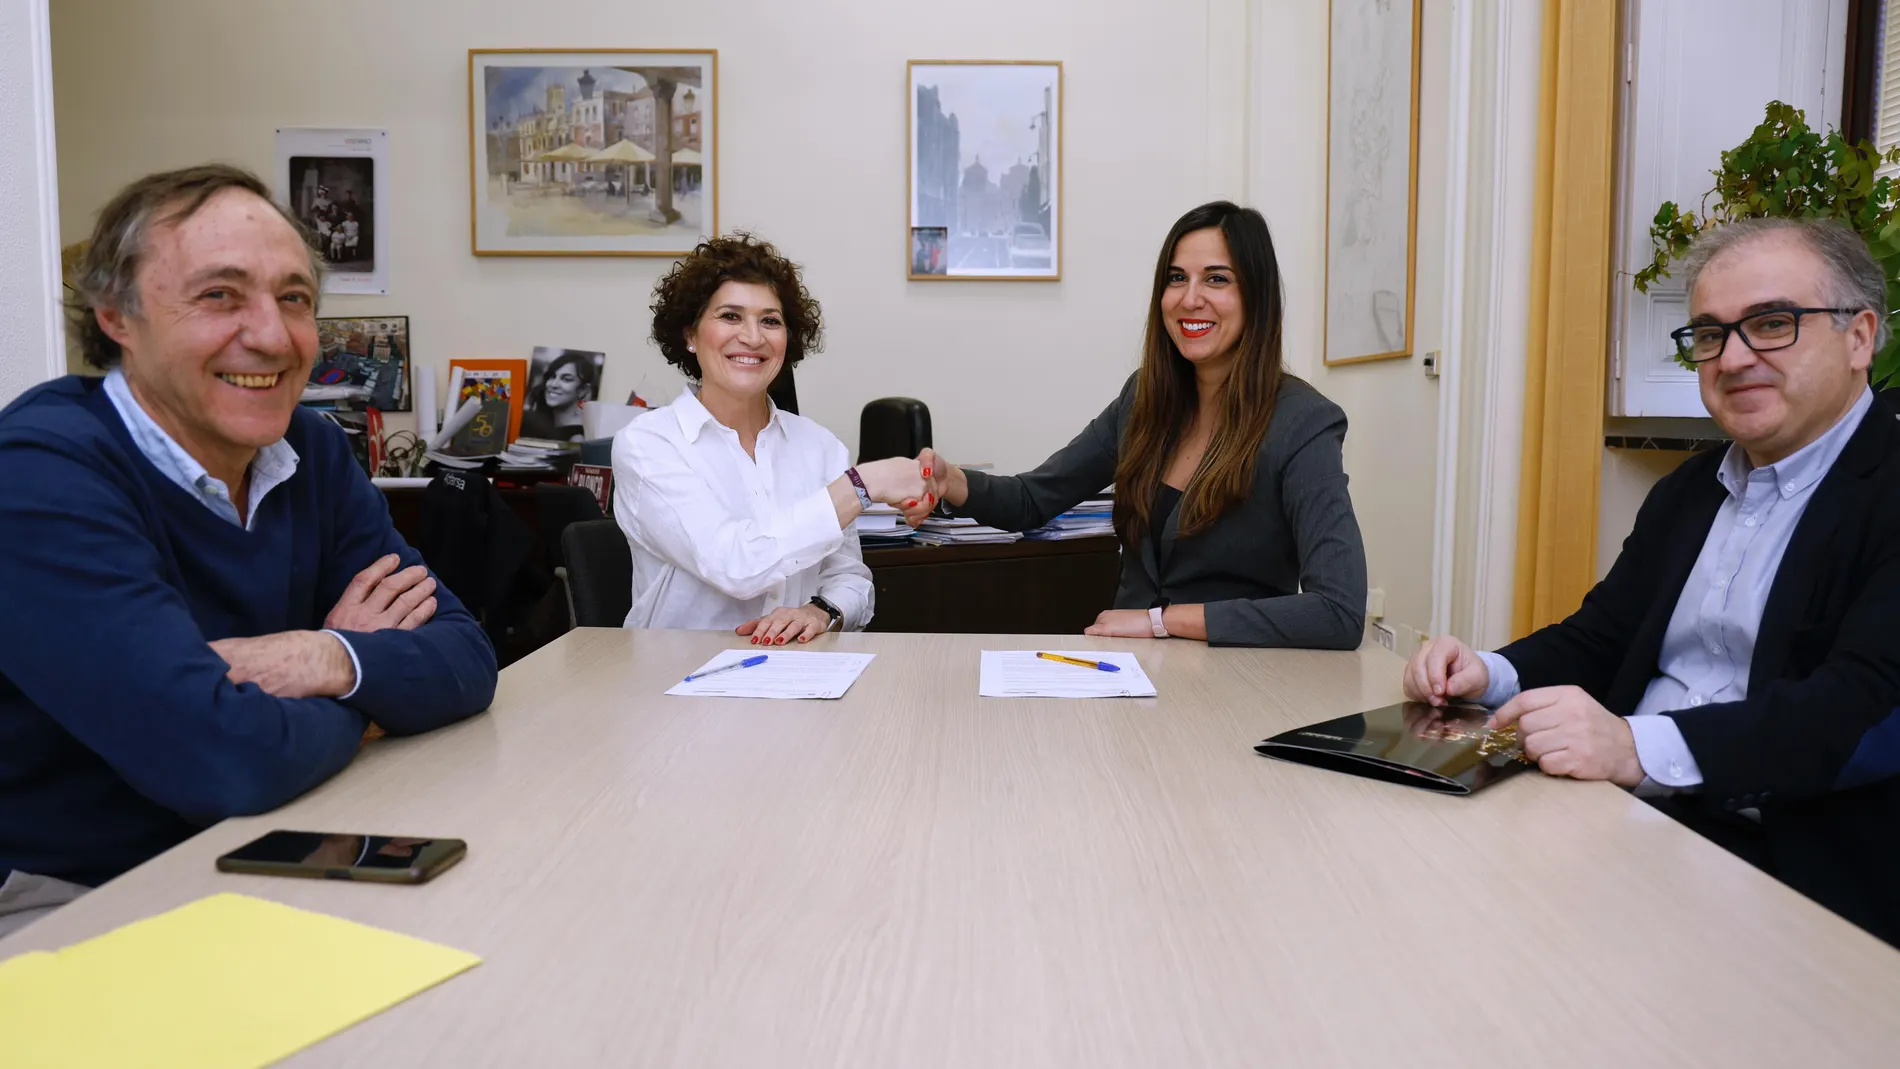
point(1022, 674)
point(785, 674)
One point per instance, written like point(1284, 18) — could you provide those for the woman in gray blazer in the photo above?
point(1230, 494)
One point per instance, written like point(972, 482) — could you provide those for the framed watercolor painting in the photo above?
point(593, 152)
point(985, 170)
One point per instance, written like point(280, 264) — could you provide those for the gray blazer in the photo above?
point(1284, 567)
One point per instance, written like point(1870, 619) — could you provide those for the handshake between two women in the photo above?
point(913, 486)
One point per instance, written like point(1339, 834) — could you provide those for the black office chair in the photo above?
point(893, 427)
point(599, 573)
point(784, 391)
point(559, 505)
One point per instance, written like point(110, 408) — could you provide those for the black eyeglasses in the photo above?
point(1763, 332)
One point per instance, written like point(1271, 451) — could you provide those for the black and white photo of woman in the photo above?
point(563, 379)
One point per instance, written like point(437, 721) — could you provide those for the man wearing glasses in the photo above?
point(1740, 665)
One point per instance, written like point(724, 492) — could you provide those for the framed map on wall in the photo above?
point(1371, 179)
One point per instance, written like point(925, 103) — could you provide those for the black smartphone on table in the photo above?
point(337, 856)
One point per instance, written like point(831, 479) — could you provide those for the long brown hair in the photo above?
point(1166, 396)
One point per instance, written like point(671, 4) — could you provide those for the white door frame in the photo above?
point(46, 161)
point(29, 231)
point(1490, 207)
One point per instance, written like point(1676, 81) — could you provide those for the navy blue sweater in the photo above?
point(120, 735)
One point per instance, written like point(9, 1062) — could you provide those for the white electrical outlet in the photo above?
point(1386, 637)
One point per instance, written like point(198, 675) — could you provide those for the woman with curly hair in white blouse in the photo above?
point(739, 514)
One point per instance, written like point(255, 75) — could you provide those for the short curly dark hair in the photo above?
point(681, 297)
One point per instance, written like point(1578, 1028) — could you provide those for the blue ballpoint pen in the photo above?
point(747, 663)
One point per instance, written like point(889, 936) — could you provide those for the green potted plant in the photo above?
point(1787, 169)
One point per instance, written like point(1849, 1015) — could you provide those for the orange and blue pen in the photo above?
point(1100, 666)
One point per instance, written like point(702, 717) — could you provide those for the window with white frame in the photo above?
point(1885, 53)
point(1697, 76)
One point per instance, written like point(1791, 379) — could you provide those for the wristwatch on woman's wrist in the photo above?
point(837, 618)
point(857, 483)
point(1154, 621)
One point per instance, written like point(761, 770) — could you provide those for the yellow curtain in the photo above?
point(1568, 348)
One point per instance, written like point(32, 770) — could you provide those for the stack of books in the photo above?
point(961, 531)
point(1090, 519)
point(883, 525)
point(523, 456)
point(536, 454)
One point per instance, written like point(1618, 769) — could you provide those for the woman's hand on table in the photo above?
point(787, 623)
point(1122, 623)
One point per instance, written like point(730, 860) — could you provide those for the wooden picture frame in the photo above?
point(985, 234)
point(1370, 305)
point(596, 193)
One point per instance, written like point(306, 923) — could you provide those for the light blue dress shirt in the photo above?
point(271, 468)
point(1710, 640)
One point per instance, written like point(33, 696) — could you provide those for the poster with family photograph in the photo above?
point(335, 181)
point(985, 170)
point(594, 152)
point(361, 363)
point(560, 381)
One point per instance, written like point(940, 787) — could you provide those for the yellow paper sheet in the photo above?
point(226, 982)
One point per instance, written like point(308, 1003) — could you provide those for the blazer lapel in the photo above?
point(1148, 563)
point(1684, 545)
point(1170, 531)
point(1797, 579)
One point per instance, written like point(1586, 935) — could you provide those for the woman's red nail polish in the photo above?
point(910, 504)
point(926, 473)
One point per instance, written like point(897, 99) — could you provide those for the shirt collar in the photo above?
point(1801, 469)
point(273, 465)
point(693, 415)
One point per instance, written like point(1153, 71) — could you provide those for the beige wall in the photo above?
point(1219, 98)
point(1628, 476)
point(812, 113)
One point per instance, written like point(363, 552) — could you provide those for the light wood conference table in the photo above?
point(915, 876)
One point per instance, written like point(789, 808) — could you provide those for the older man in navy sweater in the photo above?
point(203, 604)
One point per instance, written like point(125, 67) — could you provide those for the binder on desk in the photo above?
point(1449, 750)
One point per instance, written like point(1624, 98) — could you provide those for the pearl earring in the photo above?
point(690, 349)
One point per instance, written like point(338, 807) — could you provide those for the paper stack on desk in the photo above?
point(1022, 674)
point(785, 674)
point(882, 525)
point(961, 531)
